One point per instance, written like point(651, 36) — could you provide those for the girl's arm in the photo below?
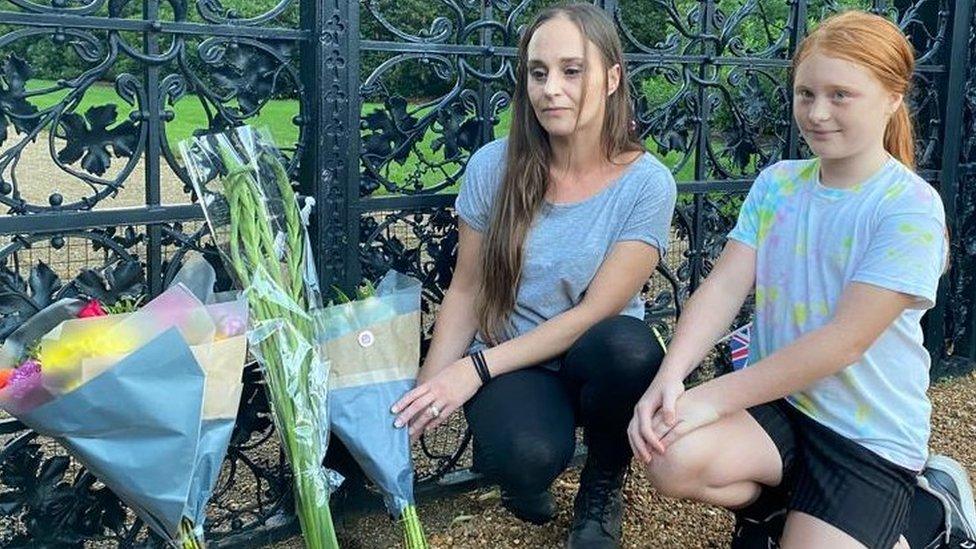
point(457, 320)
point(710, 310)
point(863, 313)
point(706, 317)
point(899, 268)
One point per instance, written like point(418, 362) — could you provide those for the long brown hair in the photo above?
point(528, 156)
point(878, 45)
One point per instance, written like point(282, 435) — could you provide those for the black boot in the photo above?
point(598, 508)
point(536, 508)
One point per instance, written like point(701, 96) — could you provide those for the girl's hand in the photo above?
point(434, 400)
point(694, 410)
point(659, 399)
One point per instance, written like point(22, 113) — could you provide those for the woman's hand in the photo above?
point(659, 399)
point(435, 399)
point(428, 372)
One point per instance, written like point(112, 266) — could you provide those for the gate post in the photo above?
point(949, 176)
point(330, 161)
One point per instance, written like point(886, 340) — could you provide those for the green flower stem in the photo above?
point(254, 259)
point(413, 532)
point(188, 538)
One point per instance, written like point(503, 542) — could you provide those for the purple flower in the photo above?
point(25, 379)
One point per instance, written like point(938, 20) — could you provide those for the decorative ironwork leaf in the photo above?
point(92, 510)
point(38, 485)
point(13, 293)
point(10, 502)
point(752, 99)
point(117, 8)
point(675, 132)
point(19, 300)
point(18, 470)
point(44, 284)
point(14, 107)
point(458, 133)
point(124, 278)
point(56, 512)
point(88, 138)
point(248, 75)
point(739, 145)
point(388, 130)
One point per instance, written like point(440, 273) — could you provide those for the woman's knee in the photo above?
point(524, 428)
point(621, 347)
point(529, 464)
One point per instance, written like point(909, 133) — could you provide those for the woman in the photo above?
point(541, 329)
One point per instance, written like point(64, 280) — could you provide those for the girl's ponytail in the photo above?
point(899, 137)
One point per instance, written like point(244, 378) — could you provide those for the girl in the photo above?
point(541, 329)
point(845, 252)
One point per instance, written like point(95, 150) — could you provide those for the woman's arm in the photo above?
point(619, 278)
point(457, 320)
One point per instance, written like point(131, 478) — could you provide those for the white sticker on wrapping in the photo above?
point(366, 338)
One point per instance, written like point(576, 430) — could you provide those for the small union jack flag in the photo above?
point(739, 345)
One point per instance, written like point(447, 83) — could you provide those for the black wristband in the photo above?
point(480, 366)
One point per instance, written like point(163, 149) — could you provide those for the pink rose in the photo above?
point(93, 308)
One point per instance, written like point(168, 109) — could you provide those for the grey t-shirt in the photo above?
point(568, 242)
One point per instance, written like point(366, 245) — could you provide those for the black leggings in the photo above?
point(524, 422)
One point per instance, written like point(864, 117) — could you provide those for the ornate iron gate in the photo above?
point(378, 106)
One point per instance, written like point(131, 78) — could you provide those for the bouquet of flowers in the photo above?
point(255, 220)
point(373, 345)
point(145, 399)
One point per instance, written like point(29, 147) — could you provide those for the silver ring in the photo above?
point(433, 411)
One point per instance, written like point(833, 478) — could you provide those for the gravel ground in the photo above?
point(475, 519)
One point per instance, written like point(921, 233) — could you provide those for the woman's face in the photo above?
point(560, 69)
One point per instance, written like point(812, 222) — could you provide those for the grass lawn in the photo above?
point(278, 114)
point(188, 113)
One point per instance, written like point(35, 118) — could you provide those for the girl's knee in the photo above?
point(672, 479)
point(678, 473)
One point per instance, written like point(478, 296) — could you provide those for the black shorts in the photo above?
point(836, 479)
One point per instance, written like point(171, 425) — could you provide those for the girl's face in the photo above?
point(560, 69)
point(840, 107)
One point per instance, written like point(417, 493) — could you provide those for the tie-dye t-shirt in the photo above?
point(811, 242)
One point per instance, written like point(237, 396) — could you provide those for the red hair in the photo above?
point(879, 46)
